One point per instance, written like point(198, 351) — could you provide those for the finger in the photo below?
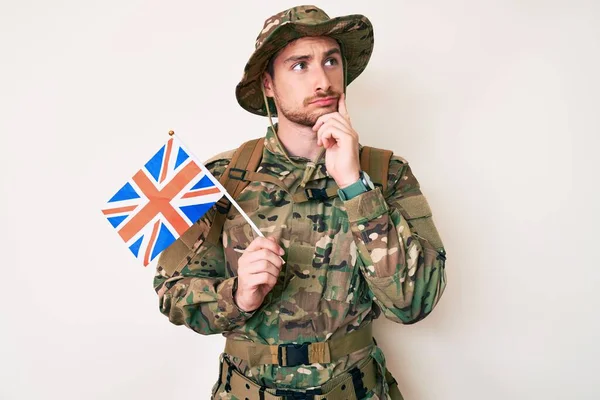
point(260, 267)
point(264, 243)
point(325, 137)
point(336, 116)
point(320, 121)
point(327, 117)
point(337, 121)
point(330, 134)
point(328, 139)
point(276, 241)
point(342, 109)
point(262, 279)
point(264, 254)
point(337, 124)
point(281, 251)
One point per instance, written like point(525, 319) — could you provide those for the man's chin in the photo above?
point(310, 119)
point(323, 111)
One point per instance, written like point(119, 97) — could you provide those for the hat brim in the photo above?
point(354, 33)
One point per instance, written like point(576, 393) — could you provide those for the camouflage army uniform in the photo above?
point(345, 263)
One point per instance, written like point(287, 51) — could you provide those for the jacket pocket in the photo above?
point(337, 253)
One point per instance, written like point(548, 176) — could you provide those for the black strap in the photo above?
point(298, 395)
point(316, 194)
point(230, 368)
point(359, 388)
point(220, 373)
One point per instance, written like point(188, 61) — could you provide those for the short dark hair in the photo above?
point(271, 66)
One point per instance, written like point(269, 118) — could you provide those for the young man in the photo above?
point(296, 306)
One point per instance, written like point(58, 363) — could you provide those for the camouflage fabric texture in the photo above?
point(346, 263)
point(354, 33)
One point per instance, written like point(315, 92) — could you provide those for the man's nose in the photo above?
point(322, 81)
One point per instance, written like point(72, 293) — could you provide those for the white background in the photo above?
point(494, 103)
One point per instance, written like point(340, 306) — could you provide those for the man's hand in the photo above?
point(258, 269)
point(340, 140)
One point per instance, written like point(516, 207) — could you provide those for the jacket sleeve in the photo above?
point(191, 280)
point(403, 257)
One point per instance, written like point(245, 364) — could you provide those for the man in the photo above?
point(297, 305)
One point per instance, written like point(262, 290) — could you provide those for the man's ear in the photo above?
point(268, 84)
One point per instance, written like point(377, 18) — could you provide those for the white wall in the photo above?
point(495, 104)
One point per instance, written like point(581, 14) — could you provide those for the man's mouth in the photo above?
point(324, 101)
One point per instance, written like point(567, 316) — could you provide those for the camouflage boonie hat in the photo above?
point(354, 33)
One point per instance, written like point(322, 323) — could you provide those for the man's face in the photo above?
point(308, 79)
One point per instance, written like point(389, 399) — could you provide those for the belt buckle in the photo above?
point(316, 194)
point(295, 354)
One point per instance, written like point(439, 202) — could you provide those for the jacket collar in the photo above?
point(277, 158)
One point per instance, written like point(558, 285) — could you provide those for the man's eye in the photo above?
point(299, 66)
point(332, 61)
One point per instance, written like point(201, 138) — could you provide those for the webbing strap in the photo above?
point(233, 176)
point(376, 163)
point(365, 158)
point(361, 379)
point(250, 151)
point(261, 177)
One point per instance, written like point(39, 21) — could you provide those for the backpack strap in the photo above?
point(233, 179)
point(376, 163)
point(243, 166)
point(244, 155)
point(240, 171)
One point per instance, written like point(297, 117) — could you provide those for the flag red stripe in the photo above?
point(175, 219)
point(166, 161)
point(151, 243)
point(200, 193)
point(146, 214)
point(139, 220)
point(179, 182)
point(118, 210)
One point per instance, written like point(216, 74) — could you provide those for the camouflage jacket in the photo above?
point(345, 264)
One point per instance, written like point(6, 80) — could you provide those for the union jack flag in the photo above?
point(162, 200)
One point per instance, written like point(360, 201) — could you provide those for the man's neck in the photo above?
point(298, 140)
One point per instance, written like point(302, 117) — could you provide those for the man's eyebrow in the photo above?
point(332, 51)
point(307, 57)
point(297, 58)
